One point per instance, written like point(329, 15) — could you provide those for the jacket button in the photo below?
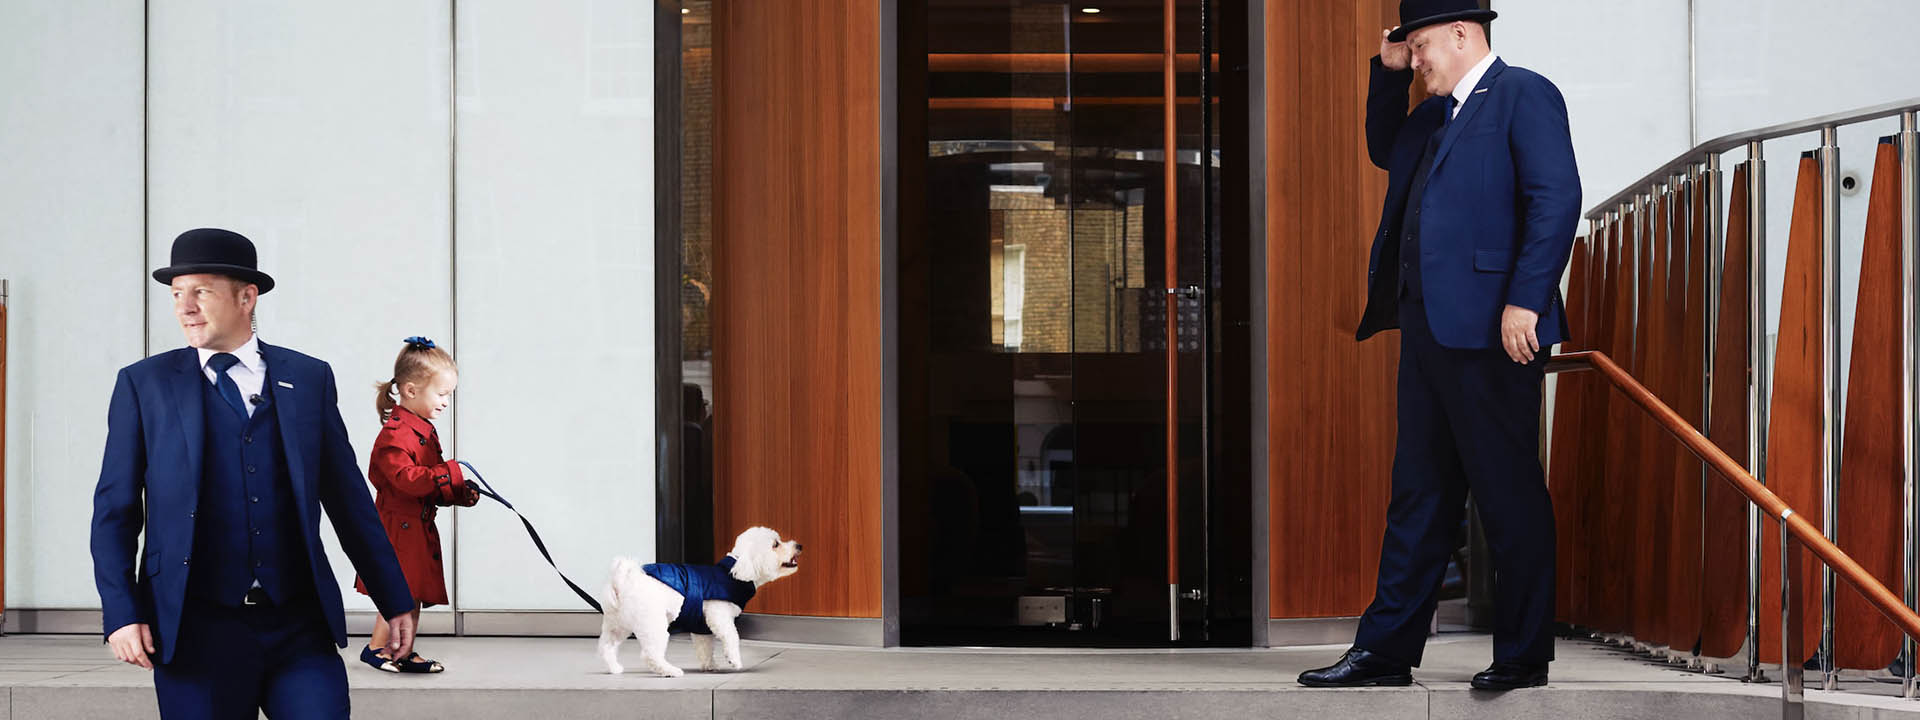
point(249, 469)
point(255, 498)
point(185, 559)
point(190, 516)
point(247, 438)
point(404, 526)
point(257, 563)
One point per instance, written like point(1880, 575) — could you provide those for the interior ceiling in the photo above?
point(1043, 25)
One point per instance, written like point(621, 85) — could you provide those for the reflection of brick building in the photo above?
point(696, 184)
point(1072, 296)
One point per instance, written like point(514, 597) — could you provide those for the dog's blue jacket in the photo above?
point(698, 584)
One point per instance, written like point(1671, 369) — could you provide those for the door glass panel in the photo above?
point(1034, 375)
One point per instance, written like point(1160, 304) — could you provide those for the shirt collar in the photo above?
point(1472, 79)
point(249, 355)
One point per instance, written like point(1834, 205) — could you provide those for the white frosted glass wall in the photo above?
point(1776, 62)
point(1623, 69)
point(71, 248)
point(555, 307)
point(320, 131)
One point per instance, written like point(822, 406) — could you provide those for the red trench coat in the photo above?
point(410, 478)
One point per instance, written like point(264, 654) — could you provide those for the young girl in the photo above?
point(410, 478)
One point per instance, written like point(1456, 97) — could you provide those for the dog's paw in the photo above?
point(614, 668)
point(708, 665)
point(668, 672)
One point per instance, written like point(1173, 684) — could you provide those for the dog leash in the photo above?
point(485, 489)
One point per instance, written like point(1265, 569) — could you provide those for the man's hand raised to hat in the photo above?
point(1394, 55)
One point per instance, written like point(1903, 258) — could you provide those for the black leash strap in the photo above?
point(480, 484)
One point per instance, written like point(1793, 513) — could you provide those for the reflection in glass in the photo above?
point(696, 277)
point(1033, 479)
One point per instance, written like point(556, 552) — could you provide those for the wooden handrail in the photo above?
point(1882, 599)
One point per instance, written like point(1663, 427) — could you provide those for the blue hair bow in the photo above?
point(420, 342)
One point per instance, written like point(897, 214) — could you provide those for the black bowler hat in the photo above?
point(212, 250)
point(1416, 14)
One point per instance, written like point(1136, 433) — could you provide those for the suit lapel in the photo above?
point(286, 410)
point(187, 401)
point(1468, 111)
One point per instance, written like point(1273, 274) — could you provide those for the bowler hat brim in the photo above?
point(1399, 34)
point(244, 274)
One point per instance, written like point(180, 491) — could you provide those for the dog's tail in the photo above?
point(622, 567)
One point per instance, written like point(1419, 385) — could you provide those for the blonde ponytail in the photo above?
point(384, 402)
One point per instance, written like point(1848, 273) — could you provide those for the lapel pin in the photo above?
point(1481, 90)
point(284, 384)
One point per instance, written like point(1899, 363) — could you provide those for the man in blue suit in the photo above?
point(223, 454)
point(1482, 203)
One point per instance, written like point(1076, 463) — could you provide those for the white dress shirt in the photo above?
point(250, 373)
point(1469, 81)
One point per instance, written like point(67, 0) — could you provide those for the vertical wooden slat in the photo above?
point(1723, 576)
point(1688, 334)
point(797, 293)
point(1614, 596)
point(1562, 466)
point(1872, 460)
point(1794, 415)
point(1650, 478)
point(1589, 468)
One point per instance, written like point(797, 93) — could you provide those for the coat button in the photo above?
point(404, 526)
point(423, 441)
point(247, 438)
point(249, 469)
point(190, 516)
point(255, 498)
point(257, 563)
point(185, 559)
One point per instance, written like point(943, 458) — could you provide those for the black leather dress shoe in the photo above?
point(1359, 668)
point(1507, 676)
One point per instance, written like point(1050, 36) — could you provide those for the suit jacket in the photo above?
point(1498, 216)
point(150, 481)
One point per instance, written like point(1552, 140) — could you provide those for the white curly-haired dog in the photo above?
point(655, 601)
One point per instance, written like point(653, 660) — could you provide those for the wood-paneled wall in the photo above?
point(797, 292)
point(1330, 399)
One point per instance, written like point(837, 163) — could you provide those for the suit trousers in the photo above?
point(233, 662)
point(1469, 420)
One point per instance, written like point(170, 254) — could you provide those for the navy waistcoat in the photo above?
point(248, 528)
